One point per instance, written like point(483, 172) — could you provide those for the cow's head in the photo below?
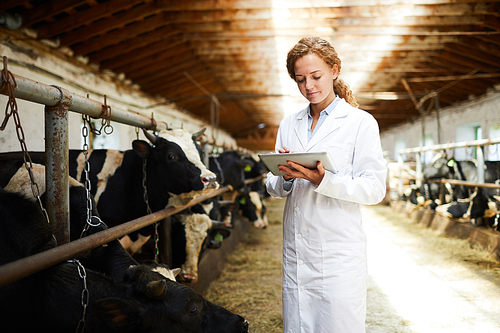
point(175, 162)
point(440, 167)
point(166, 306)
point(230, 168)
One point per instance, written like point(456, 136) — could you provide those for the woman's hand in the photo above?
point(315, 176)
point(284, 150)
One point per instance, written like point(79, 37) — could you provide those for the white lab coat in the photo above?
point(324, 244)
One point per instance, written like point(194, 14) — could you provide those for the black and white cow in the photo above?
point(482, 203)
point(143, 301)
point(111, 259)
point(232, 168)
point(174, 176)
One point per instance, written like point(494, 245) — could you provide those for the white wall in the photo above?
point(48, 67)
point(457, 124)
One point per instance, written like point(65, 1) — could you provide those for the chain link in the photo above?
point(85, 293)
point(148, 209)
point(8, 78)
point(86, 171)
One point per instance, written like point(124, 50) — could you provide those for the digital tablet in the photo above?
point(309, 160)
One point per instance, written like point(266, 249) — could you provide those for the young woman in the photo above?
point(324, 244)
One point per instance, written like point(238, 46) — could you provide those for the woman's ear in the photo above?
point(335, 71)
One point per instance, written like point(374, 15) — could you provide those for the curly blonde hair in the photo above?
point(325, 51)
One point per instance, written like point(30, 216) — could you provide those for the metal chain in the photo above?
point(85, 293)
point(7, 76)
point(148, 209)
point(86, 170)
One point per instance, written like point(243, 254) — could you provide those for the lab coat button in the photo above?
point(301, 182)
point(299, 236)
point(297, 209)
point(301, 262)
point(301, 288)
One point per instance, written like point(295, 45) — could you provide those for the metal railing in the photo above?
point(23, 267)
point(444, 147)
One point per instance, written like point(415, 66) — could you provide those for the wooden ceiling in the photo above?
point(224, 60)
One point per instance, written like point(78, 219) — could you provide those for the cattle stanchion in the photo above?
point(452, 145)
point(56, 166)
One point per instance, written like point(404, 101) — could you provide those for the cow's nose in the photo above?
point(210, 182)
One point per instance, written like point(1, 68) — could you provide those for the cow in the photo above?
point(111, 259)
point(174, 175)
point(168, 170)
point(481, 203)
point(477, 209)
point(143, 301)
point(252, 208)
point(229, 167)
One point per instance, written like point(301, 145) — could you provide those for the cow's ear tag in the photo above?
point(242, 201)
point(218, 237)
point(451, 163)
point(248, 168)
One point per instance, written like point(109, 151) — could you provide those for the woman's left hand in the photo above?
point(315, 176)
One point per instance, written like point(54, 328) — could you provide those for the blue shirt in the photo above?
point(287, 184)
point(322, 116)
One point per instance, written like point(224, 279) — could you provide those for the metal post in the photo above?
point(480, 165)
point(165, 248)
point(436, 102)
point(400, 180)
point(56, 167)
point(419, 169)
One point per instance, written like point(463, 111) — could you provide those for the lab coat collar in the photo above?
point(331, 124)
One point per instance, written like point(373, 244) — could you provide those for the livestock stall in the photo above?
point(58, 102)
point(479, 236)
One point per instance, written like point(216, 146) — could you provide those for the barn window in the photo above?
point(494, 150)
point(465, 133)
point(398, 145)
point(429, 154)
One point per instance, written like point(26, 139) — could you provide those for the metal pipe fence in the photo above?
point(445, 147)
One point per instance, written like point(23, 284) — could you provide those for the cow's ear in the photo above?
point(118, 313)
point(142, 148)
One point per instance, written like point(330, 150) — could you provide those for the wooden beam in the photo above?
point(116, 36)
point(84, 17)
point(47, 10)
point(164, 34)
point(109, 23)
point(453, 77)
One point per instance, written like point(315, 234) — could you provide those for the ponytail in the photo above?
point(343, 91)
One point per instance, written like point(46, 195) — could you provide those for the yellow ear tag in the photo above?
point(248, 168)
point(242, 201)
point(451, 163)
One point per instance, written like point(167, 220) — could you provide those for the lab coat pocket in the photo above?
point(310, 267)
point(345, 269)
point(340, 155)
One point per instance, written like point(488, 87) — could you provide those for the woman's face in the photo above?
point(315, 80)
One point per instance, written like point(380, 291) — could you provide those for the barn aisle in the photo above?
point(422, 282)
point(418, 281)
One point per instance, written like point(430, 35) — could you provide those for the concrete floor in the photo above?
point(422, 282)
